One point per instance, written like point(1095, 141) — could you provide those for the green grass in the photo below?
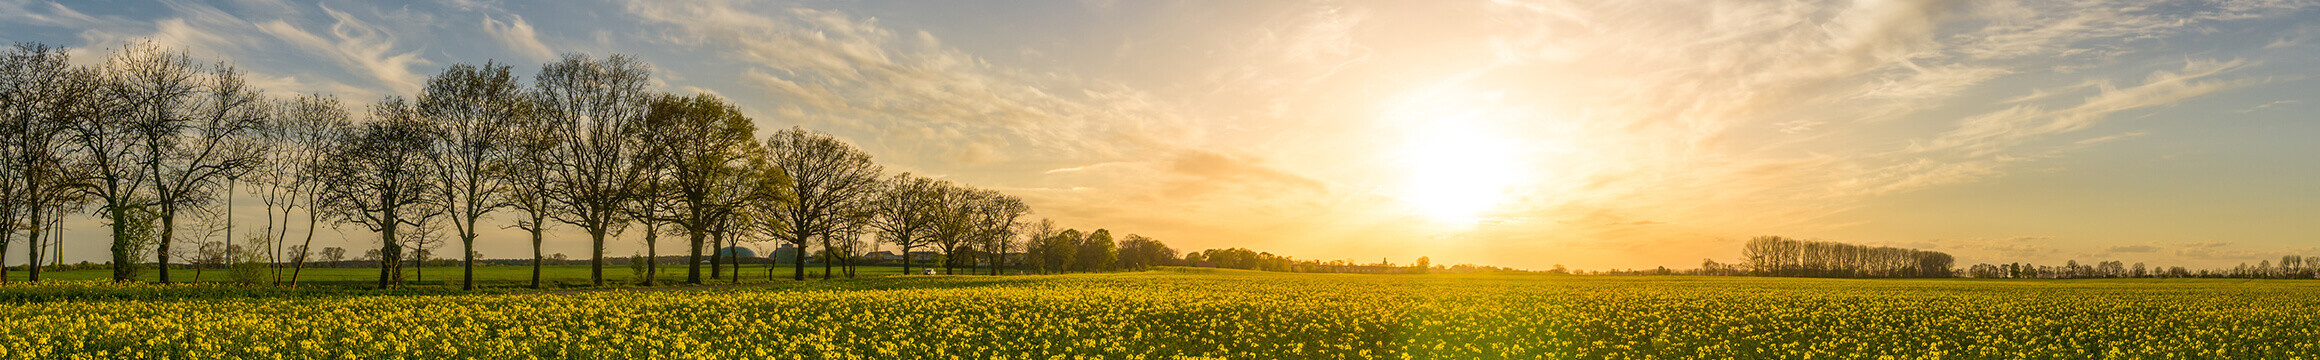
point(1191, 313)
point(553, 276)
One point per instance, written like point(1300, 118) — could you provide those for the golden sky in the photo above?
point(1595, 134)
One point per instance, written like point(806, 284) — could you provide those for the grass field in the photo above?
point(1195, 313)
point(557, 276)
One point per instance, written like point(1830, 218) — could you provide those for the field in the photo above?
point(553, 276)
point(1193, 313)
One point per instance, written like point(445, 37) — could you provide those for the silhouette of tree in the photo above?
point(593, 108)
point(41, 94)
point(1138, 252)
point(904, 210)
point(997, 222)
point(1097, 252)
point(378, 177)
point(305, 129)
point(475, 112)
point(828, 178)
point(195, 126)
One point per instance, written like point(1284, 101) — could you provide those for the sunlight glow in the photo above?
point(1457, 165)
point(1457, 173)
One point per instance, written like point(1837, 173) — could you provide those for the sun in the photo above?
point(1456, 172)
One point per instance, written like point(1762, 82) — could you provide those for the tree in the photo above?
point(1097, 252)
point(330, 255)
point(1036, 236)
point(531, 150)
point(997, 221)
point(594, 109)
point(1060, 252)
point(760, 188)
point(378, 177)
point(1138, 252)
point(136, 81)
point(475, 112)
point(306, 129)
point(904, 212)
point(707, 143)
point(41, 95)
point(954, 221)
point(199, 139)
point(828, 178)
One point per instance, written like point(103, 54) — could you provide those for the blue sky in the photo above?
point(1513, 132)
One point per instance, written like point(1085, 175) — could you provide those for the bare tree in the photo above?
point(136, 82)
point(475, 112)
point(1035, 236)
point(905, 212)
point(594, 108)
point(41, 94)
point(996, 223)
point(955, 228)
point(378, 177)
point(531, 150)
point(331, 255)
point(197, 126)
point(306, 129)
point(828, 178)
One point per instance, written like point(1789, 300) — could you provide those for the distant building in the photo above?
point(736, 251)
point(923, 255)
point(785, 254)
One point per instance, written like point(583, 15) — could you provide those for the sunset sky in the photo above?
point(1612, 134)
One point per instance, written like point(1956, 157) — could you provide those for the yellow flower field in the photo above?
point(1173, 314)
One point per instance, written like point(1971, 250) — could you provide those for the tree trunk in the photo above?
point(390, 253)
point(300, 265)
point(467, 282)
point(906, 258)
point(123, 265)
point(168, 231)
point(4, 239)
point(535, 255)
point(693, 263)
point(652, 257)
point(801, 257)
point(596, 260)
point(32, 249)
point(716, 257)
point(829, 255)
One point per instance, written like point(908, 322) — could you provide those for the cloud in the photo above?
point(358, 47)
point(1204, 173)
point(518, 36)
point(2133, 249)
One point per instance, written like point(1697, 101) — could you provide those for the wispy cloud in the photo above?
point(357, 46)
point(518, 36)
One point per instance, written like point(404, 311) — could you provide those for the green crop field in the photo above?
point(555, 276)
point(1190, 313)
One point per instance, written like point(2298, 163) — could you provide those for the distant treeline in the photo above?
point(1780, 256)
point(1239, 258)
point(2289, 267)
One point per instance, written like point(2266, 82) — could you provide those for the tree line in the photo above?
point(2289, 267)
point(1781, 256)
point(152, 142)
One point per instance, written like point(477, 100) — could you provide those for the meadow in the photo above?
point(493, 276)
point(1191, 313)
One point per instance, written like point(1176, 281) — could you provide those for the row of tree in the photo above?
point(1780, 256)
point(2289, 267)
point(151, 140)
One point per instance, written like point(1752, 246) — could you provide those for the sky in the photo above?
point(1521, 133)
